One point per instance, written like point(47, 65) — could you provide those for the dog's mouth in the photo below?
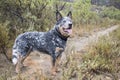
point(67, 30)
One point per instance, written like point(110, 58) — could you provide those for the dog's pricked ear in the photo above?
point(58, 16)
point(69, 14)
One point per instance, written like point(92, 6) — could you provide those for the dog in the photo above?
point(52, 42)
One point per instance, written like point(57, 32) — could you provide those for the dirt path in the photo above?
point(80, 43)
point(39, 63)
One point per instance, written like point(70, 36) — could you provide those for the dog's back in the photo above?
point(40, 41)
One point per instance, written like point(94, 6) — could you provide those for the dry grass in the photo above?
point(100, 61)
point(103, 56)
point(87, 29)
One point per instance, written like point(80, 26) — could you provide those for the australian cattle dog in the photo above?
point(52, 42)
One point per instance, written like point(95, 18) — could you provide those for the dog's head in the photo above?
point(64, 24)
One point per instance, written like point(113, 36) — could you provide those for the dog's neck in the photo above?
point(57, 32)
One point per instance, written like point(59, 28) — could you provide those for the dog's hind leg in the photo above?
point(21, 59)
point(18, 65)
point(59, 54)
point(24, 57)
point(58, 62)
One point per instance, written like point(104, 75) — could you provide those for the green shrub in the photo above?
point(111, 12)
point(26, 15)
point(82, 13)
point(4, 38)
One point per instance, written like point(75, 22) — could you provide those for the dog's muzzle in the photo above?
point(69, 29)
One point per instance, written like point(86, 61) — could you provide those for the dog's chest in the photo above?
point(57, 42)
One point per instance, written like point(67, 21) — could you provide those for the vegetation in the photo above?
point(103, 56)
point(18, 16)
point(100, 60)
point(111, 12)
point(24, 15)
point(4, 40)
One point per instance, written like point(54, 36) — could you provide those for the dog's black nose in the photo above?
point(70, 26)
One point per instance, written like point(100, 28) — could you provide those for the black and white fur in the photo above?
point(52, 42)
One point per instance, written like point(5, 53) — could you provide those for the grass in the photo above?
point(103, 56)
point(82, 30)
point(100, 56)
point(101, 60)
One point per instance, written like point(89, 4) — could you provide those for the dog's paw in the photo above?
point(57, 70)
point(54, 73)
point(17, 71)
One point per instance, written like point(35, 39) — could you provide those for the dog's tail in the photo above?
point(15, 57)
point(15, 54)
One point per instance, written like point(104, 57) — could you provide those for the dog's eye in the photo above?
point(64, 21)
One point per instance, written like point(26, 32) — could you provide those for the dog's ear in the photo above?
point(58, 16)
point(69, 14)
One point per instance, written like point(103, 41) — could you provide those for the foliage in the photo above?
point(111, 12)
point(18, 16)
point(26, 15)
point(82, 13)
point(29, 15)
point(4, 38)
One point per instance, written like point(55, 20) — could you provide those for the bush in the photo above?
point(4, 39)
point(111, 12)
point(26, 15)
point(82, 13)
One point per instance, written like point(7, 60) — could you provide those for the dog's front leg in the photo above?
point(55, 59)
point(53, 65)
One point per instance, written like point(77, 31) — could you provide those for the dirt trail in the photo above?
point(41, 63)
point(80, 43)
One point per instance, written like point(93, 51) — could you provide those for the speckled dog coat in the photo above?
point(40, 41)
point(43, 41)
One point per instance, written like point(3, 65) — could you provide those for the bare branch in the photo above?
point(57, 8)
point(44, 6)
point(62, 7)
